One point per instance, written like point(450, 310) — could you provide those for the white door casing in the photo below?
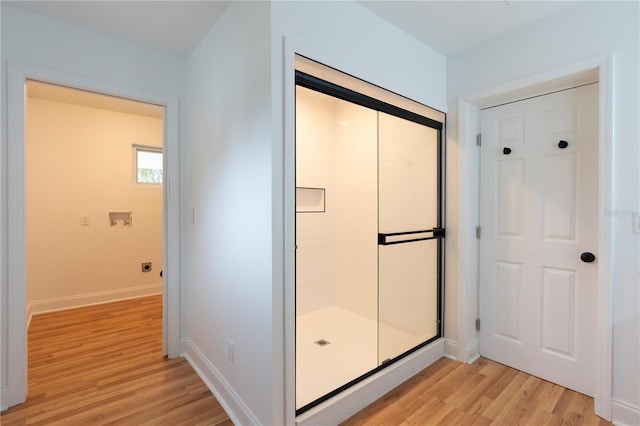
point(539, 211)
point(18, 74)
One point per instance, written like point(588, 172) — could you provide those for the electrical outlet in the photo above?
point(230, 350)
point(146, 267)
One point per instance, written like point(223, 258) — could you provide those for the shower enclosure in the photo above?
point(369, 231)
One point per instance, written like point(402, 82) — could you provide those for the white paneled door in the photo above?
point(539, 232)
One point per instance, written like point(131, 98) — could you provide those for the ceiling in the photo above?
point(177, 26)
point(174, 26)
point(51, 92)
point(452, 26)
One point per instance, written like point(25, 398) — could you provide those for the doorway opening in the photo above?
point(94, 200)
point(369, 230)
point(18, 76)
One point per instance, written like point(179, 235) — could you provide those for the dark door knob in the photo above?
point(587, 257)
point(563, 144)
point(506, 150)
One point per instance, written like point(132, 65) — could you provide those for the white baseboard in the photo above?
point(29, 315)
point(472, 352)
point(357, 397)
point(234, 406)
point(624, 414)
point(451, 349)
point(4, 392)
point(87, 299)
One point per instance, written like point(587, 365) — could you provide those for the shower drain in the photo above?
point(321, 342)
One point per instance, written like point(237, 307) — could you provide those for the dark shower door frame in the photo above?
point(438, 233)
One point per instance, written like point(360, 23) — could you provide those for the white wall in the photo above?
point(228, 257)
point(35, 40)
point(362, 44)
point(79, 162)
point(589, 30)
point(234, 252)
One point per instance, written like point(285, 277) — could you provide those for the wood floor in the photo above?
point(483, 393)
point(103, 365)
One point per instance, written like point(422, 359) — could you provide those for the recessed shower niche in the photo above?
point(369, 268)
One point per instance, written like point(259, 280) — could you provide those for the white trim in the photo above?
point(624, 414)
point(349, 402)
point(18, 74)
point(468, 220)
point(451, 349)
point(488, 96)
point(604, 391)
point(29, 315)
point(16, 253)
point(468, 106)
point(472, 350)
point(233, 405)
point(290, 49)
point(3, 397)
point(87, 299)
point(171, 229)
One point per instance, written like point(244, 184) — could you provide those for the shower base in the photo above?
point(348, 349)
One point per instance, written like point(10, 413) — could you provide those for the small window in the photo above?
point(148, 164)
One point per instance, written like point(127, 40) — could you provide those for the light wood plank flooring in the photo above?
point(104, 365)
point(482, 393)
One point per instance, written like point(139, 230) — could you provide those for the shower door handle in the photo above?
point(410, 236)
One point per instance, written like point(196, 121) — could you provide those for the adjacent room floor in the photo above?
point(103, 364)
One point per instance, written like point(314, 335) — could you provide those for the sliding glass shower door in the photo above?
point(368, 232)
point(408, 235)
point(336, 243)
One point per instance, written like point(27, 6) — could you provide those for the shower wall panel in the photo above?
point(356, 217)
point(315, 168)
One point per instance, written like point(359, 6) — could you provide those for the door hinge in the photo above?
point(477, 324)
point(479, 139)
point(478, 232)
